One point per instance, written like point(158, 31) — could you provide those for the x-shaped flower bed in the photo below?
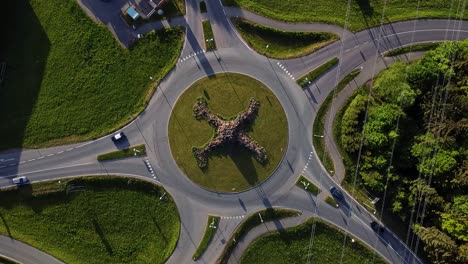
point(227, 131)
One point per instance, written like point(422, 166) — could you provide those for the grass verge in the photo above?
point(304, 183)
point(310, 77)
point(291, 246)
point(319, 122)
point(210, 230)
point(209, 37)
point(269, 214)
point(280, 44)
point(363, 13)
point(331, 201)
point(411, 48)
point(138, 150)
point(81, 83)
point(230, 168)
point(93, 219)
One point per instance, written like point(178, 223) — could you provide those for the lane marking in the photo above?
point(57, 168)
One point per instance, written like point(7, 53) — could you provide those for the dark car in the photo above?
point(118, 136)
point(336, 193)
point(377, 227)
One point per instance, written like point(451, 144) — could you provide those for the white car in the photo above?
point(118, 136)
point(20, 180)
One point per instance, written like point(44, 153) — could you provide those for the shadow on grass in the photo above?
point(365, 7)
point(6, 226)
point(244, 162)
point(101, 235)
point(160, 230)
point(25, 66)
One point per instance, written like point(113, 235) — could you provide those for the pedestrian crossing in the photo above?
point(285, 70)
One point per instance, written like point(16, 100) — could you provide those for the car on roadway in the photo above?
point(337, 193)
point(377, 227)
point(118, 136)
point(20, 180)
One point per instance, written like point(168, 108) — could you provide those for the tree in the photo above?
point(380, 125)
point(350, 124)
point(440, 247)
point(391, 86)
point(455, 220)
point(433, 159)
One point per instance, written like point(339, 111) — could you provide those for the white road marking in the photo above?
point(57, 168)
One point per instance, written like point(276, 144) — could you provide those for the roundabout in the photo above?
point(173, 164)
point(230, 167)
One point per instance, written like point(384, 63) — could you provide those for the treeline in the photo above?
point(414, 146)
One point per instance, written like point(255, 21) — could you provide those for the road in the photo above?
point(195, 203)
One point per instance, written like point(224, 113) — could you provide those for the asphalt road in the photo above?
point(195, 203)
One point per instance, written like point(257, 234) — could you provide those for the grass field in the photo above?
point(281, 44)
point(93, 220)
point(269, 214)
point(363, 13)
point(319, 122)
point(139, 150)
point(230, 168)
point(80, 83)
point(310, 187)
point(210, 230)
point(310, 77)
point(291, 246)
point(209, 37)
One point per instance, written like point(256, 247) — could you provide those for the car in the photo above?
point(20, 180)
point(118, 136)
point(336, 193)
point(377, 227)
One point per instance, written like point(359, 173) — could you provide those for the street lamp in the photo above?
point(260, 217)
point(320, 136)
point(213, 225)
point(305, 184)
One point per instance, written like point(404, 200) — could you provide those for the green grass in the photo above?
point(319, 122)
point(132, 151)
point(80, 82)
point(292, 246)
point(248, 224)
point(210, 230)
point(93, 219)
point(363, 13)
point(202, 6)
point(311, 76)
point(331, 201)
point(280, 44)
point(411, 48)
point(209, 37)
point(231, 166)
point(312, 188)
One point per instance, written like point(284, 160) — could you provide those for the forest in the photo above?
point(406, 134)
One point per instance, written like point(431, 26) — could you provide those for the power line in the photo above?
point(343, 34)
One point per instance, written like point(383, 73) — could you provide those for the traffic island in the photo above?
point(228, 159)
